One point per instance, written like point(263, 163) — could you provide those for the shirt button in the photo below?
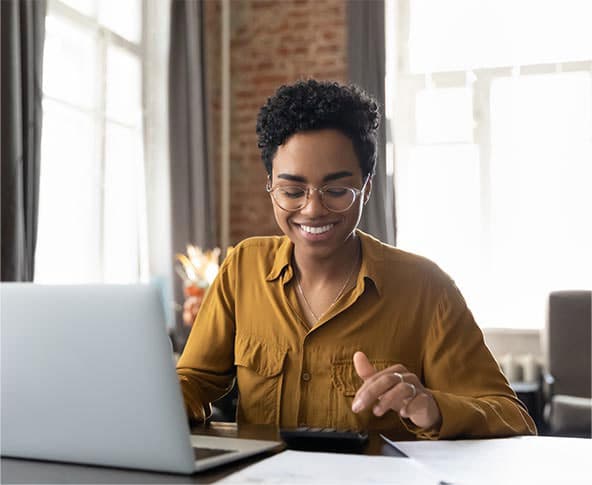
point(305, 376)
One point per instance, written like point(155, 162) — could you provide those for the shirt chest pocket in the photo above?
point(259, 373)
point(345, 383)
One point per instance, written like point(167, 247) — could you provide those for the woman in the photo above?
point(327, 326)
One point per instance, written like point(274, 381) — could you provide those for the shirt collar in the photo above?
point(372, 256)
point(283, 258)
point(372, 259)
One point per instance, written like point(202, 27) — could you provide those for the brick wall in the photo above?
point(273, 42)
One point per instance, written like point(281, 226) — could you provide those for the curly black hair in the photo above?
point(315, 105)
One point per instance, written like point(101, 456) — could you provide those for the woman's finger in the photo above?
point(374, 388)
point(395, 398)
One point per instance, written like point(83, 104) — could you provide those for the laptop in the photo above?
point(88, 377)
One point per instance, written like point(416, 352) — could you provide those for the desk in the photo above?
point(543, 460)
point(31, 471)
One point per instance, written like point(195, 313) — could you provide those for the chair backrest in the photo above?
point(568, 340)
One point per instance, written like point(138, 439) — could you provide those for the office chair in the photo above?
point(224, 409)
point(569, 403)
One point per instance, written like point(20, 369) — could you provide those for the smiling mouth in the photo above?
point(316, 230)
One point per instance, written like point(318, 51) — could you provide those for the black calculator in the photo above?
point(324, 439)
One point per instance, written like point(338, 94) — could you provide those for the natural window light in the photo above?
point(490, 111)
point(92, 209)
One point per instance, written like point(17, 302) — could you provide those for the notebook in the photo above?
point(88, 376)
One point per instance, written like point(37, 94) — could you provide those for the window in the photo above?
point(92, 208)
point(490, 105)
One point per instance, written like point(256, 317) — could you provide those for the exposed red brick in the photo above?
point(273, 42)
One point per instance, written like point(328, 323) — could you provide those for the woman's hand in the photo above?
point(394, 388)
point(190, 308)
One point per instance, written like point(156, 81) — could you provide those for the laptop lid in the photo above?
point(88, 377)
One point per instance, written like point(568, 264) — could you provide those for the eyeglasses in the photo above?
point(334, 198)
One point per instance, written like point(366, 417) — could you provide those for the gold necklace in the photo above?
point(336, 299)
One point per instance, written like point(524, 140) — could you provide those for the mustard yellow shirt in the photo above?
point(404, 309)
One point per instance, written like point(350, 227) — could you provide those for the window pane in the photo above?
point(447, 35)
point(122, 17)
point(69, 63)
point(440, 208)
point(92, 181)
point(542, 204)
point(124, 86)
point(444, 115)
point(535, 136)
point(68, 233)
point(123, 177)
point(86, 7)
point(465, 34)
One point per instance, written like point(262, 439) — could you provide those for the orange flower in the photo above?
point(192, 290)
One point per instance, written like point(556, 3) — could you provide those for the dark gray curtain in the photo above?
point(366, 60)
point(193, 218)
point(23, 33)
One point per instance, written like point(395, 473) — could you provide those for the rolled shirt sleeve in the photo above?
point(206, 366)
point(474, 397)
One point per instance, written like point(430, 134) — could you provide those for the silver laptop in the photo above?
point(88, 377)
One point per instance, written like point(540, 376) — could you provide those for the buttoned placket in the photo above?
point(304, 371)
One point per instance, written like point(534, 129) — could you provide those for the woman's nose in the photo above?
point(315, 206)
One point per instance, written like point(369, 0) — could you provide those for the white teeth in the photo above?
point(316, 230)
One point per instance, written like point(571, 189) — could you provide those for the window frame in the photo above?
point(104, 39)
point(401, 122)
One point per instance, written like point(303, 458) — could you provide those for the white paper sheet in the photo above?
point(537, 460)
point(295, 467)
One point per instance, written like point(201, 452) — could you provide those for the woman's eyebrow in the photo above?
point(326, 178)
point(293, 178)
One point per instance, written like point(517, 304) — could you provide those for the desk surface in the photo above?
point(526, 460)
point(31, 471)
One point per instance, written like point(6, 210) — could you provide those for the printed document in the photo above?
point(540, 460)
point(296, 467)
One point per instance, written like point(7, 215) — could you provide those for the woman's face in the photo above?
point(317, 159)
